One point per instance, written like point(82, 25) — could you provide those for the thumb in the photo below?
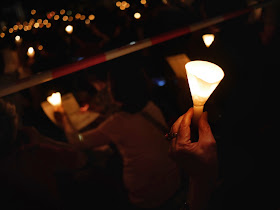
point(204, 130)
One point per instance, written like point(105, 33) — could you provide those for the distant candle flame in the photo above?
point(31, 52)
point(55, 99)
point(208, 39)
point(69, 29)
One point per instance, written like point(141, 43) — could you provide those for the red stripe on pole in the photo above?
point(73, 67)
point(167, 36)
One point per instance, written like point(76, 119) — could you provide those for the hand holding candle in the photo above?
point(203, 78)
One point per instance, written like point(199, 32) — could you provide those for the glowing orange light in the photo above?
point(91, 17)
point(33, 12)
point(56, 17)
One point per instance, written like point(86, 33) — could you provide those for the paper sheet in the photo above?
point(177, 63)
point(71, 107)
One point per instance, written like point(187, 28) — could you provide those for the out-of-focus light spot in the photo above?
point(56, 17)
point(69, 29)
point(40, 47)
point(118, 3)
point(143, 2)
point(33, 12)
point(36, 25)
point(69, 12)
point(87, 21)
point(45, 22)
point(2, 35)
point(80, 58)
point(41, 25)
point(25, 23)
point(31, 21)
point(62, 12)
point(31, 52)
point(48, 25)
point(25, 28)
point(165, 1)
point(77, 16)
point(124, 3)
point(127, 5)
point(91, 17)
point(137, 15)
point(17, 38)
point(132, 43)
point(65, 18)
point(70, 18)
point(122, 7)
point(15, 27)
point(11, 30)
point(20, 27)
point(4, 28)
point(83, 17)
point(39, 21)
point(50, 14)
point(159, 81)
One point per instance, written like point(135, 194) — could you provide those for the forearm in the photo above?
point(73, 136)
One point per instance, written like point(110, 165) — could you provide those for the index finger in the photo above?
point(184, 132)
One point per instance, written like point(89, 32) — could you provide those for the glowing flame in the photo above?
point(69, 29)
point(55, 99)
point(31, 52)
point(208, 39)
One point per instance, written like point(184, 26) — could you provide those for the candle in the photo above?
point(69, 29)
point(31, 52)
point(203, 78)
point(208, 39)
point(55, 100)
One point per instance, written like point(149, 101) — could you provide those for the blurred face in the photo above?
point(99, 85)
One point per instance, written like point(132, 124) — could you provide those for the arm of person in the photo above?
point(57, 155)
point(85, 140)
point(198, 159)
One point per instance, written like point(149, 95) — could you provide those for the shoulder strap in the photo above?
point(160, 126)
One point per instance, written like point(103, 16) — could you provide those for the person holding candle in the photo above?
point(151, 178)
point(198, 159)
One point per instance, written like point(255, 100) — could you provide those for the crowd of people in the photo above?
point(231, 166)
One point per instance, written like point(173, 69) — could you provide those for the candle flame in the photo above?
point(55, 99)
point(208, 39)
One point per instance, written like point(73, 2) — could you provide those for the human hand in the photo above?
point(198, 159)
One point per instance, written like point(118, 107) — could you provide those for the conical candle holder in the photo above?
point(203, 78)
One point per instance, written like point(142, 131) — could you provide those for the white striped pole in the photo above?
point(118, 52)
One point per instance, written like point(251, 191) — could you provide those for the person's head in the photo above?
point(97, 77)
point(128, 85)
point(8, 125)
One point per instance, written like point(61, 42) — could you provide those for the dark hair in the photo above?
point(129, 85)
point(8, 125)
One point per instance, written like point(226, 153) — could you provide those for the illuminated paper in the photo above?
point(71, 107)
